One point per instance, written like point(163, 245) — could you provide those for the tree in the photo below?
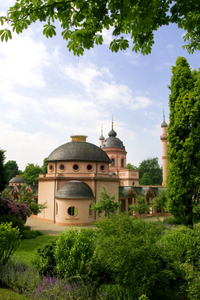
point(139, 206)
point(145, 180)
point(82, 22)
point(2, 170)
point(152, 168)
point(11, 169)
point(44, 166)
point(131, 167)
point(27, 198)
point(31, 172)
point(160, 201)
point(183, 184)
point(106, 203)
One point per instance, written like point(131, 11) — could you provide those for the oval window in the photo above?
point(62, 167)
point(75, 167)
point(89, 167)
point(51, 168)
point(72, 211)
point(102, 168)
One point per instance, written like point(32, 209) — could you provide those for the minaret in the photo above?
point(164, 149)
point(101, 137)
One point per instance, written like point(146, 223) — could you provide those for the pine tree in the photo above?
point(183, 178)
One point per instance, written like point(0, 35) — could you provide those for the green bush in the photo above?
point(130, 250)
point(171, 220)
point(74, 250)
point(15, 221)
point(9, 241)
point(44, 258)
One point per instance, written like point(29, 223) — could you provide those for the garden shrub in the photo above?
point(44, 258)
point(74, 250)
point(11, 207)
point(130, 249)
point(15, 221)
point(9, 241)
point(171, 220)
point(27, 233)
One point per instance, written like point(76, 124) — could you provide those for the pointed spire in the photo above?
point(164, 124)
point(112, 132)
point(102, 137)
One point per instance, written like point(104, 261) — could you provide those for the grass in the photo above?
point(6, 294)
point(25, 251)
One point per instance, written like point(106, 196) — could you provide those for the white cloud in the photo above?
point(107, 36)
point(170, 46)
point(23, 66)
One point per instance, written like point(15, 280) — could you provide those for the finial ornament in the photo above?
point(112, 122)
point(163, 115)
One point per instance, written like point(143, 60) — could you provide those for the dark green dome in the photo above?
point(17, 180)
point(75, 189)
point(78, 151)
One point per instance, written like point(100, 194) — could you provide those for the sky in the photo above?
point(47, 94)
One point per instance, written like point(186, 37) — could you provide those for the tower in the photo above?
point(101, 137)
point(163, 138)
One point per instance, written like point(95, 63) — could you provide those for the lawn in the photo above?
point(25, 251)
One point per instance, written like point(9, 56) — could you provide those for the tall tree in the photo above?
point(11, 169)
point(131, 167)
point(82, 22)
point(44, 166)
point(183, 184)
point(152, 168)
point(31, 172)
point(2, 170)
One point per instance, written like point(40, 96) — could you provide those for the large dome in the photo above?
point(78, 151)
point(75, 189)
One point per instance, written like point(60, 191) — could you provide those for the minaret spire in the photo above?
point(101, 137)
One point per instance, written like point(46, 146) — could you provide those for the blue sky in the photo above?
point(48, 94)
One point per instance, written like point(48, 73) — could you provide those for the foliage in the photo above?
point(31, 172)
point(140, 205)
point(12, 207)
point(160, 201)
point(171, 221)
point(25, 251)
point(74, 249)
point(12, 169)
point(27, 233)
point(44, 258)
point(129, 247)
point(9, 241)
point(14, 221)
point(82, 22)
point(145, 180)
point(106, 203)
point(44, 166)
point(152, 168)
point(131, 167)
point(183, 184)
point(2, 170)
point(27, 198)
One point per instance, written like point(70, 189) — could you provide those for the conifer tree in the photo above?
point(2, 170)
point(183, 178)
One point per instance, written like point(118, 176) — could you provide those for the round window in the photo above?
point(102, 168)
point(89, 167)
point(62, 167)
point(51, 168)
point(72, 211)
point(75, 167)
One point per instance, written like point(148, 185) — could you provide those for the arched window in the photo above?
point(113, 162)
point(122, 162)
point(56, 208)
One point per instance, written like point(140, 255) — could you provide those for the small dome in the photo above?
point(17, 179)
point(164, 124)
point(78, 151)
point(75, 189)
point(112, 133)
point(113, 142)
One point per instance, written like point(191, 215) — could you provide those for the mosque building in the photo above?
point(76, 172)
